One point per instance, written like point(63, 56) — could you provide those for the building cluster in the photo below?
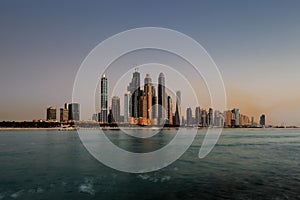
point(147, 105)
point(150, 105)
point(70, 112)
point(229, 118)
point(210, 118)
point(233, 118)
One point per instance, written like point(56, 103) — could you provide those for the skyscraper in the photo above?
point(170, 112)
point(204, 118)
point(127, 106)
point(74, 113)
point(135, 91)
point(104, 99)
point(197, 115)
point(262, 120)
point(236, 113)
point(189, 117)
point(143, 106)
point(229, 118)
point(51, 114)
point(64, 114)
point(95, 117)
point(66, 106)
point(110, 116)
point(148, 92)
point(210, 117)
point(161, 98)
point(218, 119)
point(154, 106)
point(178, 108)
point(115, 107)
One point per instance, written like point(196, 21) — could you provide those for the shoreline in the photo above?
point(30, 129)
point(135, 128)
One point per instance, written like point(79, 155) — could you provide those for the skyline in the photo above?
point(136, 89)
point(142, 105)
point(254, 44)
point(107, 103)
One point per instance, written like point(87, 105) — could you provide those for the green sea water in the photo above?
point(245, 164)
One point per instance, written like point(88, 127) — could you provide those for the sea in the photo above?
point(244, 164)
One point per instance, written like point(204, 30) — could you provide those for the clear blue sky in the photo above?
point(256, 45)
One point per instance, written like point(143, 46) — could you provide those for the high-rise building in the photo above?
point(95, 117)
point(183, 120)
point(143, 106)
point(262, 120)
point(170, 112)
point(64, 114)
point(229, 118)
point(197, 115)
point(115, 107)
point(154, 106)
point(210, 117)
point(104, 99)
point(244, 120)
point(110, 116)
point(127, 106)
point(252, 121)
point(189, 117)
point(51, 114)
point(161, 98)
point(74, 111)
point(236, 113)
point(66, 106)
point(218, 119)
point(148, 92)
point(204, 118)
point(178, 109)
point(134, 87)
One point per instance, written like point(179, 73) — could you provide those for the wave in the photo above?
point(38, 190)
point(256, 144)
point(258, 136)
point(17, 194)
point(153, 178)
point(87, 187)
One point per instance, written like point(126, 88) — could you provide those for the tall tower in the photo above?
point(154, 106)
point(104, 99)
point(197, 115)
point(210, 117)
point(170, 112)
point(161, 98)
point(74, 111)
point(229, 117)
point(178, 108)
point(135, 91)
point(262, 120)
point(148, 93)
point(143, 106)
point(127, 106)
point(204, 118)
point(51, 114)
point(115, 107)
point(64, 114)
point(189, 116)
point(236, 113)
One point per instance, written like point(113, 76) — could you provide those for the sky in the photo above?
point(255, 44)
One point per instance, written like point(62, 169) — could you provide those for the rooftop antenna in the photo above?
point(135, 67)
